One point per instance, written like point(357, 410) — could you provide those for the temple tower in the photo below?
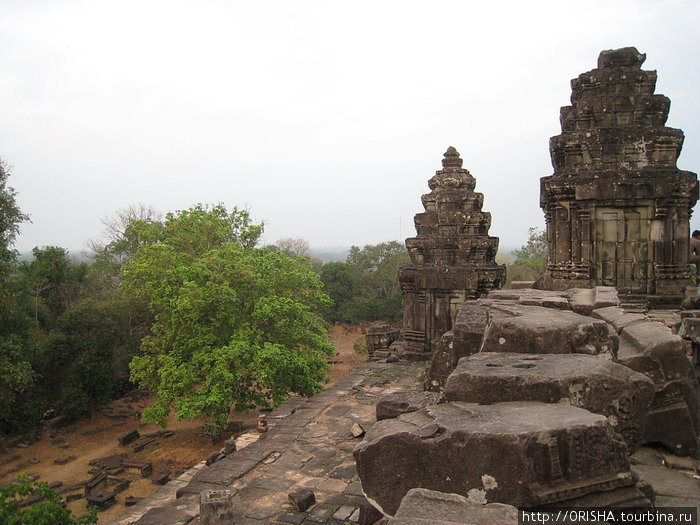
point(452, 257)
point(617, 208)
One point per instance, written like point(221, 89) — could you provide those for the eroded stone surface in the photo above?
point(525, 454)
point(501, 323)
point(589, 382)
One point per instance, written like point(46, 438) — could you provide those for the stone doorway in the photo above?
point(622, 248)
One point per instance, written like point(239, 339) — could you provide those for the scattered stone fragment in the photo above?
point(63, 461)
point(73, 497)
point(357, 430)
point(130, 501)
point(34, 461)
point(129, 437)
point(302, 499)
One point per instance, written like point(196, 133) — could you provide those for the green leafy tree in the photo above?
point(16, 328)
point(85, 360)
point(376, 267)
point(47, 512)
point(530, 261)
point(10, 217)
point(342, 285)
point(234, 325)
point(55, 281)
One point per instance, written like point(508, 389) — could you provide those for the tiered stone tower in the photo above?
point(452, 258)
point(617, 208)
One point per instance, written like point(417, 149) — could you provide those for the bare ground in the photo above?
point(183, 450)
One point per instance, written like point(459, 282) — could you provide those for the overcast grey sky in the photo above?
point(324, 118)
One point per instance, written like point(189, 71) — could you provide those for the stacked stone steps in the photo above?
point(535, 411)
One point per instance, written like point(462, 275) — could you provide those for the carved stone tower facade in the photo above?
point(452, 258)
point(617, 208)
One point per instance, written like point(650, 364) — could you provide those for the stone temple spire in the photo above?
point(617, 207)
point(452, 257)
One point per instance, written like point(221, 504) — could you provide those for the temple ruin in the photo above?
point(617, 208)
point(536, 397)
point(452, 257)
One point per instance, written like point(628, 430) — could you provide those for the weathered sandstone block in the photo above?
point(525, 454)
point(589, 382)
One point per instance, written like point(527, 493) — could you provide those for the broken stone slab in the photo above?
point(590, 382)
point(585, 300)
point(161, 478)
point(216, 508)
point(357, 430)
point(538, 330)
point(428, 506)
point(108, 462)
point(653, 338)
point(302, 499)
point(525, 454)
point(129, 437)
point(618, 318)
point(130, 501)
point(141, 443)
point(397, 403)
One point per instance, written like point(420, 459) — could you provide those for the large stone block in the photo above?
point(653, 338)
point(584, 301)
point(537, 330)
point(525, 454)
point(617, 317)
point(589, 382)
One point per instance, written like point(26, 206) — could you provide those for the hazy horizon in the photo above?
point(325, 119)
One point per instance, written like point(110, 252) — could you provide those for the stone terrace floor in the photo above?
point(309, 444)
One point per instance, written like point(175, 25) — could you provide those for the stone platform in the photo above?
point(309, 445)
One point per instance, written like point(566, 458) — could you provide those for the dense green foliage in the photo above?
point(234, 324)
point(365, 287)
point(46, 512)
point(530, 261)
point(186, 305)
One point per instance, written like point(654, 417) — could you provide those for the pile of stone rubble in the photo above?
point(537, 398)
